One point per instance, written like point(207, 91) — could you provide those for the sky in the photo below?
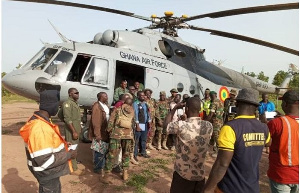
point(24, 25)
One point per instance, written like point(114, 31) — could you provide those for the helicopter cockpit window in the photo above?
point(59, 66)
point(97, 72)
point(180, 87)
point(28, 64)
point(42, 61)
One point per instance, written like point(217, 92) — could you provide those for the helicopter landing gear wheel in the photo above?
point(85, 135)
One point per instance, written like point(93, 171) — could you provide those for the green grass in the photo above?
point(12, 98)
point(152, 168)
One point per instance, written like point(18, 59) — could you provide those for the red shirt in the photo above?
point(277, 172)
point(118, 104)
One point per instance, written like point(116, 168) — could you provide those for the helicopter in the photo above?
point(160, 60)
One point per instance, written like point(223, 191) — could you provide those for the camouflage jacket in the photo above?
point(162, 109)
point(120, 117)
point(192, 143)
point(151, 105)
point(217, 108)
point(228, 116)
point(118, 92)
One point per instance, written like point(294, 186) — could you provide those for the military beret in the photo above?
point(162, 93)
point(174, 90)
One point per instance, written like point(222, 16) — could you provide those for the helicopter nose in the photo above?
point(18, 83)
point(8, 83)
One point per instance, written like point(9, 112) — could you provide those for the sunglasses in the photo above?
point(76, 93)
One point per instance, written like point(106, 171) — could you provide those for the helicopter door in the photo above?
point(158, 81)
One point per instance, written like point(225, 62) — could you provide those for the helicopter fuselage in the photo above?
point(158, 61)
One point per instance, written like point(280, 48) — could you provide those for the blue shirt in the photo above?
point(136, 111)
point(269, 107)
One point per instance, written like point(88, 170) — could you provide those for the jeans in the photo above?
point(140, 135)
point(99, 161)
point(50, 186)
point(283, 188)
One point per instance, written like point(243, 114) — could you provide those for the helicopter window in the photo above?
point(59, 65)
point(97, 72)
point(42, 61)
point(32, 59)
point(180, 87)
point(192, 89)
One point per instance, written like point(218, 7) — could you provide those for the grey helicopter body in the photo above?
point(159, 60)
point(142, 50)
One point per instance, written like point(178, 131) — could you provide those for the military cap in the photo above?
point(162, 93)
point(147, 89)
point(174, 90)
point(233, 91)
point(248, 95)
point(290, 97)
point(212, 92)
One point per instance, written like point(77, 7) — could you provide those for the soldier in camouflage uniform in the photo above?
point(229, 102)
point(72, 119)
point(215, 116)
point(121, 136)
point(162, 109)
point(173, 92)
point(151, 105)
point(120, 90)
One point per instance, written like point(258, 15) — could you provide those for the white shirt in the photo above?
point(106, 109)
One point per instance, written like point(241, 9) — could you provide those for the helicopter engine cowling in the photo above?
point(98, 38)
point(110, 38)
point(128, 40)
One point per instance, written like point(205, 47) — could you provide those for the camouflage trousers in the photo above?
point(151, 133)
point(115, 146)
point(214, 140)
point(161, 134)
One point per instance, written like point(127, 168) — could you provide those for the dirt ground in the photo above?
point(17, 178)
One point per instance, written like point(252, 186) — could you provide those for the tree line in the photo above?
point(278, 78)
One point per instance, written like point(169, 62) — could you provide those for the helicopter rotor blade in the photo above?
point(92, 7)
point(246, 10)
point(246, 39)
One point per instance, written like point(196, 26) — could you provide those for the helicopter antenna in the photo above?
point(62, 37)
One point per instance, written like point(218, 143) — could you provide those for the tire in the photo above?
point(85, 135)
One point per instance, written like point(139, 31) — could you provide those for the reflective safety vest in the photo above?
point(289, 142)
point(46, 149)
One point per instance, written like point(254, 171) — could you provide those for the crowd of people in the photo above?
point(234, 132)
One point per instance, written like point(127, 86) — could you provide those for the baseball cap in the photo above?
point(290, 96)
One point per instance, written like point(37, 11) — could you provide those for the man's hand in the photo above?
point(183, 117)
point(75, 135)
point(98, 138)
point(73, 153)
point(160, 123)
point(138, 128)
point(179, 105)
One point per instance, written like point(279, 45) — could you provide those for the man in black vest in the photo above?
point(143, 121)
point(241, 142)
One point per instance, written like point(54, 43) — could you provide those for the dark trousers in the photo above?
point(180, 185)
point(140, 136)
point(50, 186)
